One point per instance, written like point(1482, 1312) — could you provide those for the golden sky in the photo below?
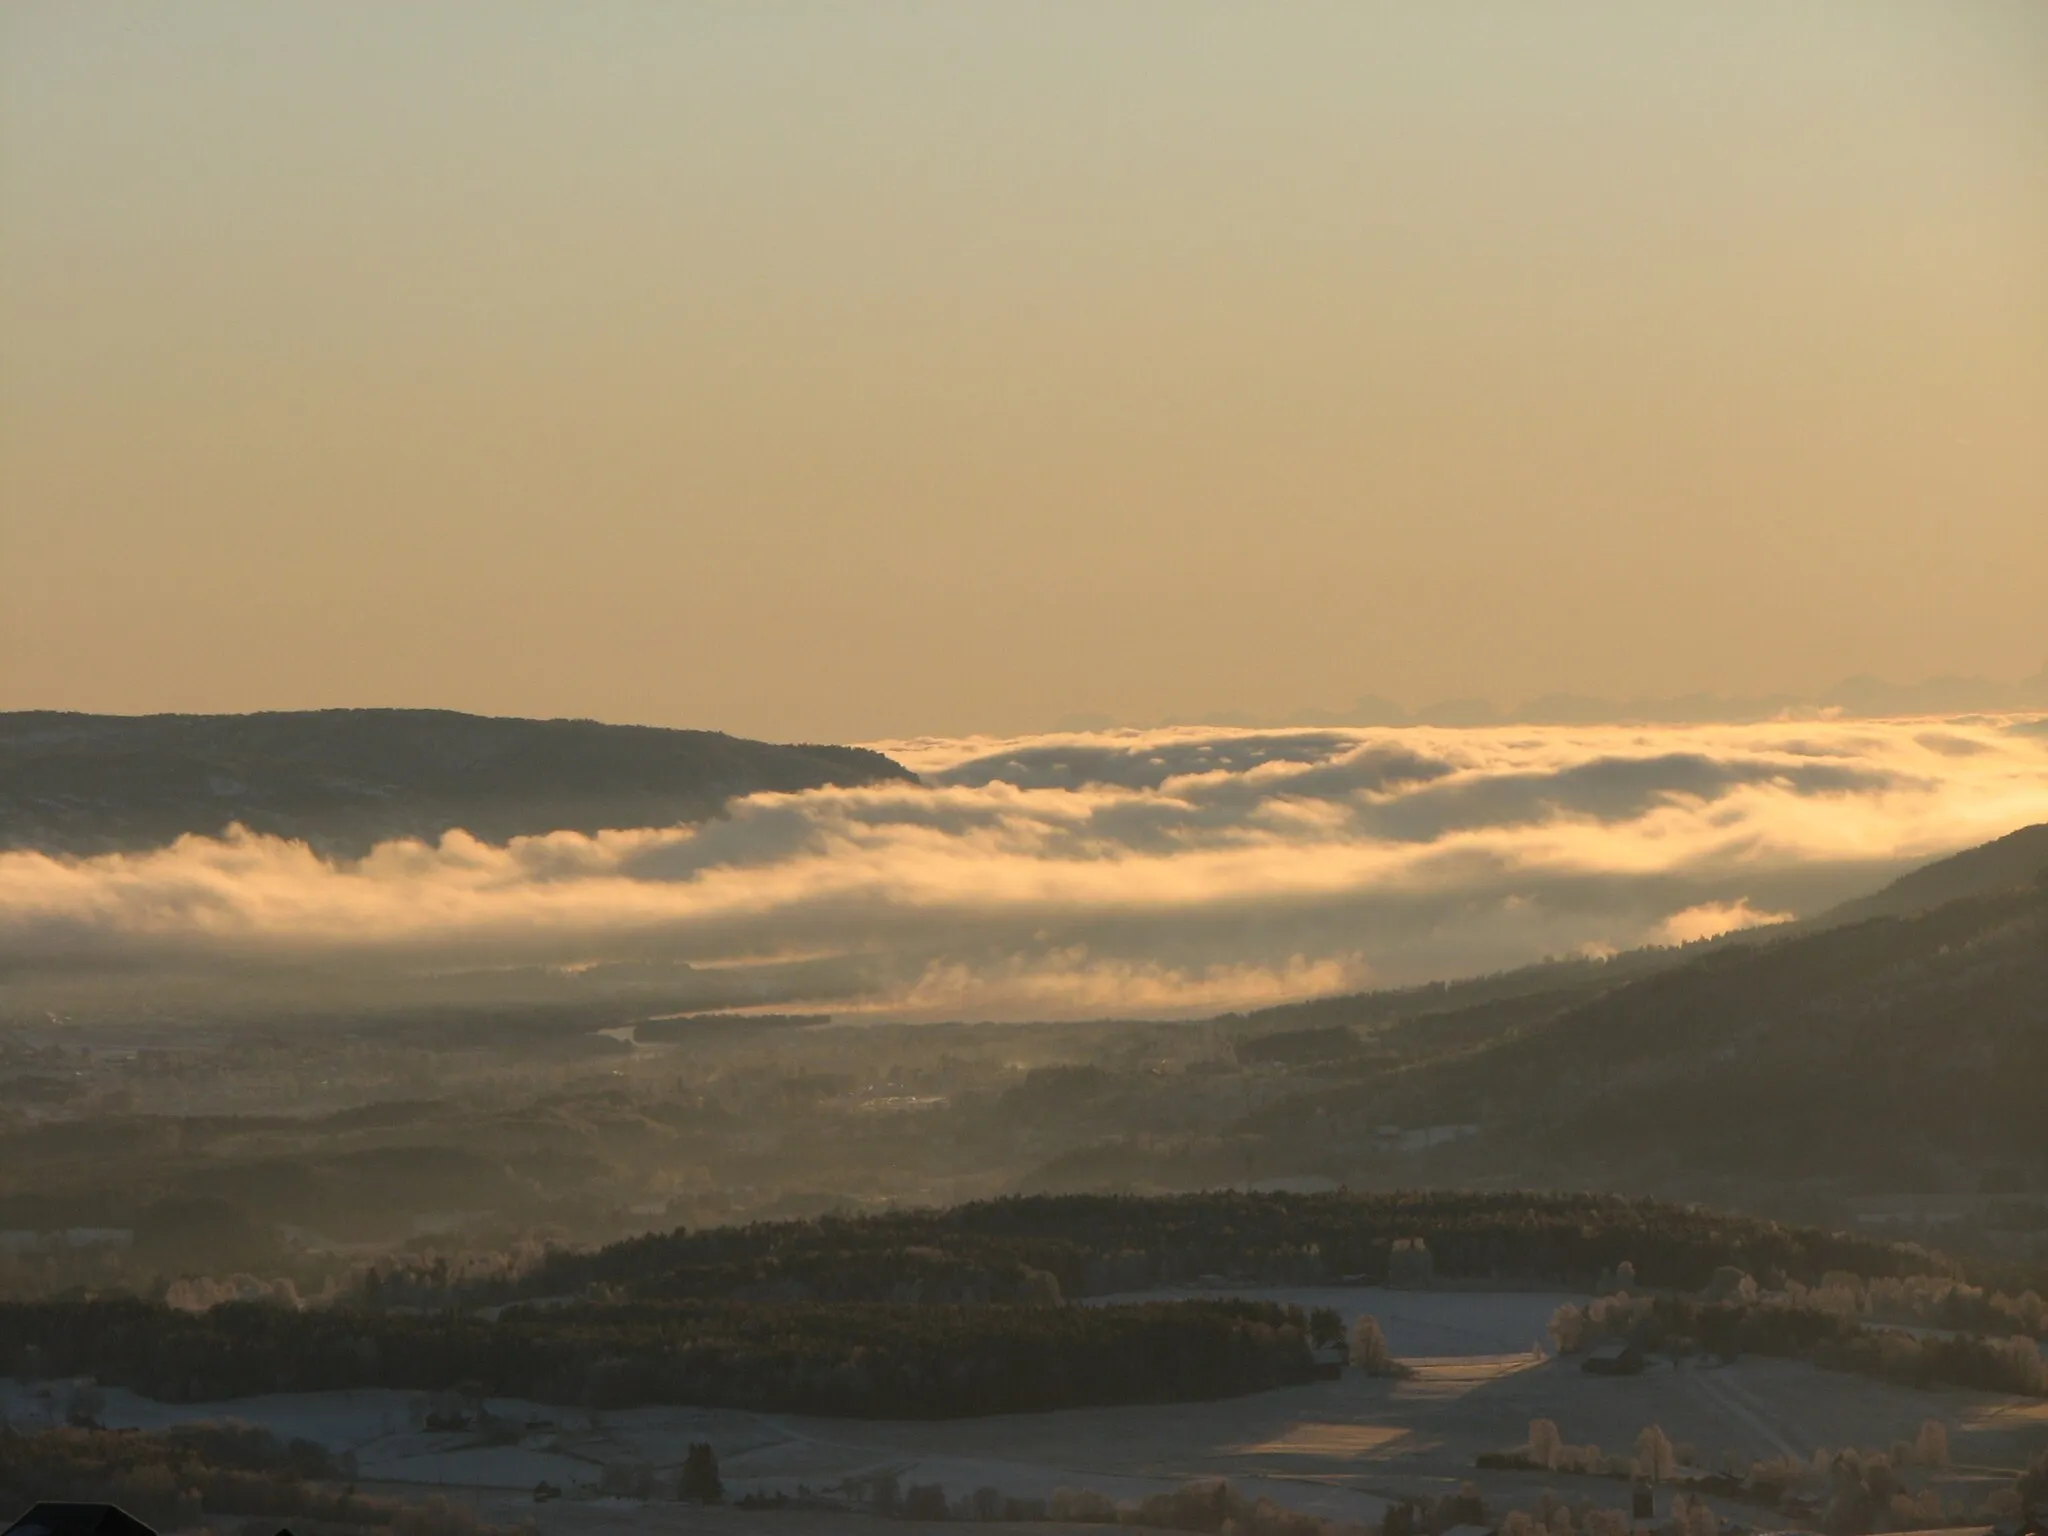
point(840, 371)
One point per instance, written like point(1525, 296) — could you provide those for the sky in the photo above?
point(853, 372)
point(1147, 873)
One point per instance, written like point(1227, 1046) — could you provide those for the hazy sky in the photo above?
point(847, 370)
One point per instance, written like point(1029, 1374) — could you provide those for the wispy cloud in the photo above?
point(1116, 872)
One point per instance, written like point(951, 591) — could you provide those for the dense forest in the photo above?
point(1099, 1244)
point(854, 1360)
point(936, 1313)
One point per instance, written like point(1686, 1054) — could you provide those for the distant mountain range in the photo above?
point(345, 779)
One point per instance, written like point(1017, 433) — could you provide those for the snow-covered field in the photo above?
point(1339, 1448)
point(1426, 1323)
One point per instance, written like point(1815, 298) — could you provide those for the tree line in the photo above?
point(172, 1479)
point(992, 1251)
point(1788, 1325)
point(857, 1359)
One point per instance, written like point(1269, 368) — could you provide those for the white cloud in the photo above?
point(1711, 919)
point(1117, 872)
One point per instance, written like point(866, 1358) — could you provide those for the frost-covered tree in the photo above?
point(1410, 1263)
point(1930, 1446)
point(1655, 1458)
point(1040, 1288)
point(1369, 1351)
point(1569, 1330)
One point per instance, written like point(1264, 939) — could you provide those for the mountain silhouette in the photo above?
point(346, 779)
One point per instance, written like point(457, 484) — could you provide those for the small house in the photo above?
point(1614, 1360)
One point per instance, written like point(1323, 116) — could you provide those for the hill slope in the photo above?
point(2010, 863)
point(1897, 1053)
point(344, 779)
point(2013, 861)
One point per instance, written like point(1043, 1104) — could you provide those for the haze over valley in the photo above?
point(943, 970)
point(1158, 873)
point(1163, 766)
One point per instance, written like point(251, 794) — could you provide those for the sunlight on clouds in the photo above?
point(1070, 983)
point(1115, 872)
point(1711, 919)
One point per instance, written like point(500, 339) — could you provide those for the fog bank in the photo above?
point(1142, 873)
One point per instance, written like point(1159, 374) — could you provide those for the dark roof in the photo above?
point(78, 1520)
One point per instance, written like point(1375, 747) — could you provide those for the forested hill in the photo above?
point(2012, 862)
point(345, 779)
point(1006, 1250)
point(1478, 1008)
point(1879, 1055)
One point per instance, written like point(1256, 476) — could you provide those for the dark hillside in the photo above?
point(1898, 1053)
point(991, 1250)
point(344, 779)
point(2012, 862)
point(1556, 983)
point(1471, 1008)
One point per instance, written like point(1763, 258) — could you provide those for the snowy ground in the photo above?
point(1340, 1448)
point(1415, 1322)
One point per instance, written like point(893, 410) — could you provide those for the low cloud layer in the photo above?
point(1141, 873)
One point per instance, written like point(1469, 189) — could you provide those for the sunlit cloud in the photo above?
point(1121, 873)
point(1711, 919)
